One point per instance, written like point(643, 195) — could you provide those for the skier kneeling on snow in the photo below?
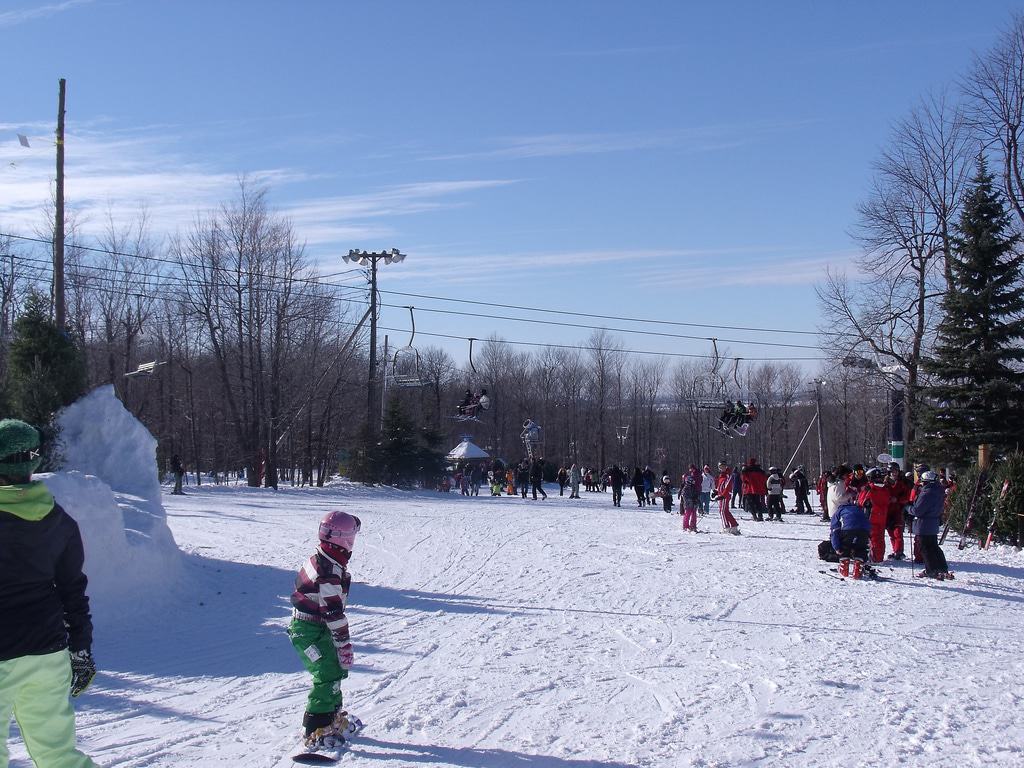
point(319, 631)
point(849, 532)
point(44, 612)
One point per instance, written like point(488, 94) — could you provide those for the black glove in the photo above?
point(83, 670)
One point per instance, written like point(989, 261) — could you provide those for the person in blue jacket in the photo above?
point(927, 511)
point(849, 528)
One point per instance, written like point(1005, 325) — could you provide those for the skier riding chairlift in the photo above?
point(471, 404)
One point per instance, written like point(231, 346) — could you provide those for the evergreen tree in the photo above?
point(975, 392)
point(46, 370)
point(401, 455)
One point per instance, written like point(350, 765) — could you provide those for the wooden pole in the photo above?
point(58, 229)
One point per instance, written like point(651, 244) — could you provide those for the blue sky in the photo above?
point(695, 162)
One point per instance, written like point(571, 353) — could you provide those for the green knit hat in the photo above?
point(19, 449)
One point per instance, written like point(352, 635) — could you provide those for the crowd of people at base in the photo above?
point(864, 506)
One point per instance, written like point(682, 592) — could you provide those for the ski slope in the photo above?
point(497, 632)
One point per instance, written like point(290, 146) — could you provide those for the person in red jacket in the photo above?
point(755, 489)
point(899, 497)
point(875, 497)
point(722, 493)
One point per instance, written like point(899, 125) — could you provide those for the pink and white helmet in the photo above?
point(338, 533)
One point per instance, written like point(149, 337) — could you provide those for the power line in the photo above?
point(321, 284)
point(607, 317)
point(493, 304)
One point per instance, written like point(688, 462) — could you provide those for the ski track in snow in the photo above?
point(498, 632)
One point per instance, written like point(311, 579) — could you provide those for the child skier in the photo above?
point(319, 632)
point(666, 492)
point(689, 494)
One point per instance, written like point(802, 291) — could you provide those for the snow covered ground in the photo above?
point(498, 632)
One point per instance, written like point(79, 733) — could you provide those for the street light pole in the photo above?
point(363, 259)
point(817, 401)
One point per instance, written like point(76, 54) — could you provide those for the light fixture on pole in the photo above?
point(370, 259)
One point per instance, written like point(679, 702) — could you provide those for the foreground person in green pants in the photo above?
point(44, 612)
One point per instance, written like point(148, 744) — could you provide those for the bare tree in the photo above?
point(995, 88)
point(904, 226)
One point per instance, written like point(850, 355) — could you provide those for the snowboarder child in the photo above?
point(319, 631)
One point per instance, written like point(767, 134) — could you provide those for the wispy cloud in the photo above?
point(648, 268)
point(25, 15)
point(698, 139)
point(116, 172)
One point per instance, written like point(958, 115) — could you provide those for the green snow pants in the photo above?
point(315, 647)
point(36, 689)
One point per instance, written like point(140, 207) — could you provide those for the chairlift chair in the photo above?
point(405, 365)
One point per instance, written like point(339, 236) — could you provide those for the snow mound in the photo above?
point(109, 484)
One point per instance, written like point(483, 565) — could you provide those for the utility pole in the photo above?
point(817, 399)
point(363, 259)
point(58, 229)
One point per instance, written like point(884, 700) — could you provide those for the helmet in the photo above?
point(338, 535)
point(876, 475)
point(773, 469)
point(929, 476)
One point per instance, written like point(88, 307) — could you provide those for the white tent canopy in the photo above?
point(468, 450)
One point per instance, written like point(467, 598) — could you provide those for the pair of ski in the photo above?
point(871, 575)
point(732, 432)
point(329, 755)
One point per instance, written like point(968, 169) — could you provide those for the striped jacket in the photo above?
point(321, 594)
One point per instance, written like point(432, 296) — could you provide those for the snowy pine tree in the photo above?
point(975, 392)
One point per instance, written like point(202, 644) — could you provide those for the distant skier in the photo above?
point(638, 486)
point(801, 491)
point(649, 479)
point(707, 487)
point(537, 479)
point(723, 494)
point(179, 474)
point(320, 635)
point(755, 488)
point(616, 478)
point(46, 635)
point(776, 502)
point(574, 482)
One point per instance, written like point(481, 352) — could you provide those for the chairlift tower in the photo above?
point(370, 259)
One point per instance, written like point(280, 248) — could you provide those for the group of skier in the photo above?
point(862, 506)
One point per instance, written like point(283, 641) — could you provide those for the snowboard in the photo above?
point(329, 755)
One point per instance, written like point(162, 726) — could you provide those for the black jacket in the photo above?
point(43, 606)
